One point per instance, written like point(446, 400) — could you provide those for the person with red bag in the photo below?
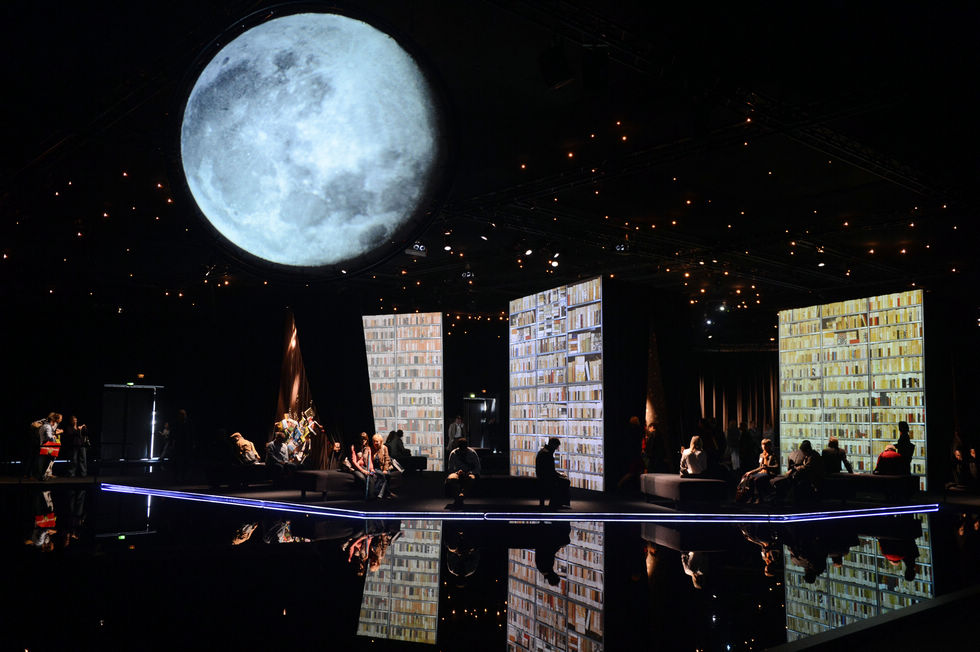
point(50, 439)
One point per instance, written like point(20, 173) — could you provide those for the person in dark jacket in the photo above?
point(554, 485)
point(834, 457)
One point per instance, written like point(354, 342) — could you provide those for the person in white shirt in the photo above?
point(694, 461)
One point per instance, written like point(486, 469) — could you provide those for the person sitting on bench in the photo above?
point(553, 484)
point(890, 462)
point(277, 455)
point(834, 457)
point(464, 469)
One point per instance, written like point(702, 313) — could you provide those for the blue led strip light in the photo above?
point(606, 517)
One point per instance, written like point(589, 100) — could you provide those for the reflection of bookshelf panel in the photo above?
point(400, 599)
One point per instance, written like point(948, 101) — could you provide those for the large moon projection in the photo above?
point(309, 140)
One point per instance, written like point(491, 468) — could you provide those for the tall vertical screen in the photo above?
point(404, 358)
point(556, 387)
point(854, 369)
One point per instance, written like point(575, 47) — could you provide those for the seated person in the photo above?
point(373, 465)
point(805, 475)
point(553, 484)
point(396, 447)
point(464, 468)
point(755, 484)
point(277, 454)
point(694, 461)
point(890, 462)
point(834, 457)
point(244, 449)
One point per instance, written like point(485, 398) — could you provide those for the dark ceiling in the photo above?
point(752, 157)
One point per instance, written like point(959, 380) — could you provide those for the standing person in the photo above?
point(464, 468)
point(904, 446)
point(457, 430)
point(554, 484)
point(50, 441)
point(78, 438)
point(731, 445)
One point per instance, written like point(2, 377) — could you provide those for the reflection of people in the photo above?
point(553, 540)
point(553, 484)
point(693, 563)
point(834, 457)
point(694, 461)
point(464, 468)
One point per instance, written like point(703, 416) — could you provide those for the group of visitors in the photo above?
point(48, 441)
point(806, 467)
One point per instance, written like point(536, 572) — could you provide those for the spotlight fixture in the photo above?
point(417, 249)
point(528, 252)
point(623, 248)
point(467, 275)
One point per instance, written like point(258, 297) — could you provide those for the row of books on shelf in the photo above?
point(586, 316)
point(411, 333)
point(522, 334)
point(412, 385)
point(551, 360)
point(417, 358)
point(379, 334)
point(385, 345)
point(558, 295)
point(899, 349)
point(585, 342)
point(583, 369)
point(552, 344)
point(421, 426)
point(550, 327)
point(569, 445)
point(844, 322)
point(912, 331)
point(524, 303)
point(897, 300)
point(551, 376)
point(525, 318)
point(590, 290)
point(418, 346)
point(908, 315)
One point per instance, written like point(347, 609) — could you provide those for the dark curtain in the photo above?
point(739, 387)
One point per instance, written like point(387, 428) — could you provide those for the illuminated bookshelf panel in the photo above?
point(404, 355)
point(556, 380)
point(854, 369)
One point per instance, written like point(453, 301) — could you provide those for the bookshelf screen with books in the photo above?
point(400, 601)
point(854, 369)
point(404, 359)
point(569, 615)
point(556, 380)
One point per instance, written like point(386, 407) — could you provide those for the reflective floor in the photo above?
point(115, 571)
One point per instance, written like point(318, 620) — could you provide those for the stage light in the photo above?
point(528, 252)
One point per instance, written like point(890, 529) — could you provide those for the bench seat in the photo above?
point(672, 486)
point(848, 485)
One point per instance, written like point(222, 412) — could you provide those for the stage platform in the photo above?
point(422, 497)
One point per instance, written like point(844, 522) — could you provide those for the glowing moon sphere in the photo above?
point(309, 140)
